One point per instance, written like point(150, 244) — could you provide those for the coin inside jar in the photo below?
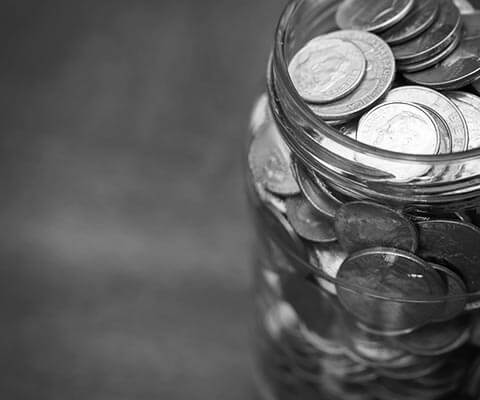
point(308, 222)
point(378, 77)
point(454, 244)
point(434, 39)
point(371, 15)
point(394, 274)
point(441, 105)
point(362, 224)
point(420, 17)
point(327, 69)
point(328, 259)
point(461, 67)
point(270, 163)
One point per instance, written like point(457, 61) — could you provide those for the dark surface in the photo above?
point(125, 236)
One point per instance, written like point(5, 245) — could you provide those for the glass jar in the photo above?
point(320, 335)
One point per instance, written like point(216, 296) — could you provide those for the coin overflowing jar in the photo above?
point(364, 181)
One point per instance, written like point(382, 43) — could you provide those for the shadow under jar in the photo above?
point(367, 284)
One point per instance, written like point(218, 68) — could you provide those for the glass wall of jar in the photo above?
point(366, 261)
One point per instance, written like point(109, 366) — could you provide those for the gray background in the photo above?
point(124, 248)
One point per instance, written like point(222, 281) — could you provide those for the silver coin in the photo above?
point(391, 273)
point(327, 69)
point(371, 15)
point(441, 105)
point(434, 39)
point(378, 77)
point(328, 259)
point(422, 65)
point(420, 18)
point(402, 128)
point(464, 6)
point(308, 222)
point(270, 163)
point(315, 191)
point(461, 67)
point(469, 105)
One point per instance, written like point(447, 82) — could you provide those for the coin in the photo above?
point(271, 199)
point(420, 17)
point(454, 244)
point(418, 367)
point(469, 105)
point(441, 105)
point(327, 69)
point(378, 77)
point(430, 62)
point(315, 191)
point(390, 273)
point(436, 339)
point(371, 15)
point(400, 127)
point(461, 67)
point(308, 222)
point(362, 224)
point(456, 293)
point(434, 39)
point(270, 164)
point(328, 259)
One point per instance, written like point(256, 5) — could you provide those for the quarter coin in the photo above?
point(434, 39)
point(371, 15)
point(420, 17)
point(327, 69)
point(361, 225)
point(270, 163)
point(378, 77)
point(441, 105)
point(390, 273)
point(454, 244)
point(308, 222)
point(461, 67)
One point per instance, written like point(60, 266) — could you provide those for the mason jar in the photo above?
point(345, 310)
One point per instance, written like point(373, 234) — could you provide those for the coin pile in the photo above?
point(357, 299)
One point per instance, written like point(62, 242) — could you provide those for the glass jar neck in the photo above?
point(348, 166)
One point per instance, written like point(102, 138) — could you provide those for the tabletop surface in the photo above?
point(125, 240)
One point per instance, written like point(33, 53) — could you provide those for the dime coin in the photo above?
point(441, 105)
point(453, 244)
point(391, 273)
point(314, 192)
point(420, 17)
point(456, 293)
point(361, 225)
point(371, 15)
point(434, 39)
point(436, 339)
point(328, 259)
point(430, 62)
point(270, 163)
point(378, 77)
point(400, 127)
point(469, 105)
point(461, 67)
point(308, 222)
point(327, 69)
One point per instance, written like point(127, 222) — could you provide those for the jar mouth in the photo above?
point(280, 63)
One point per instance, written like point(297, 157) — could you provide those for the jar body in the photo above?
point(312, 346)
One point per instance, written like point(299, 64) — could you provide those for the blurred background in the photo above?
point(125, 236)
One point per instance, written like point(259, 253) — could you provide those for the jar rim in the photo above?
point(280, 63)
